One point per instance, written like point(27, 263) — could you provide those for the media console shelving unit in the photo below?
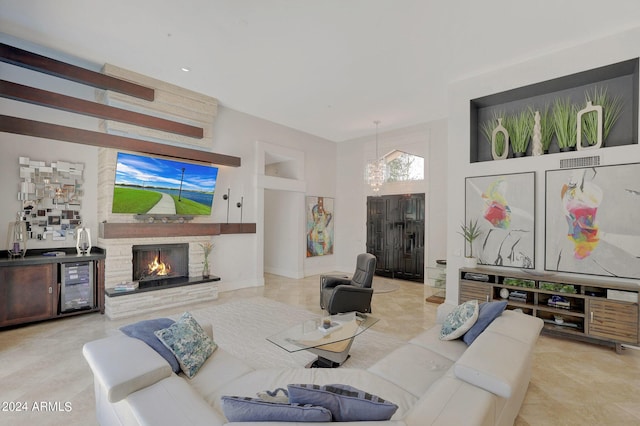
point(590, 309)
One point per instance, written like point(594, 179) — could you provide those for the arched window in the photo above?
point(403, 166)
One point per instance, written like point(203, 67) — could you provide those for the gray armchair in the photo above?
point(340, 294)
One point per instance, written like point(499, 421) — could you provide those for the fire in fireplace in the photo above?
point(160, 261)
point(158, 268)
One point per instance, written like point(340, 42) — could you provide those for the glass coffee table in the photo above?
point(330, 341)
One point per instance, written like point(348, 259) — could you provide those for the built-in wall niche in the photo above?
point(275, 161)
point(51, 196)
point(279, 166)
point(619, 79)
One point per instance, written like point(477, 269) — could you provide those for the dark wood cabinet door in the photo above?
point(27, 293)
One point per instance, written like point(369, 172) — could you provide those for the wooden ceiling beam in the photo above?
point(59, 101)
point(22, 58)
point(62, 102)
point(40, 129)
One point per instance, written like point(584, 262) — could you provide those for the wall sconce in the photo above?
point(226, 198)
point(239, 205)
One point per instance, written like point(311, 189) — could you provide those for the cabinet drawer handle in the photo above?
point(50, 290)
point(591, 316)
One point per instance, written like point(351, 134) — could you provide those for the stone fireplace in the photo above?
point(155, 293)
point(183, 106)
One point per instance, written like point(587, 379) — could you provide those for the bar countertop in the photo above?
point(38, 257)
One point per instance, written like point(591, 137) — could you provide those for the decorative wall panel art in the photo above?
point(504, 206)
point(319, 226)
point(592, 217)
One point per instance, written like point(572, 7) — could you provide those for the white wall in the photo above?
point(283, 224)
point(436, 233)
point(555, 64)
point(426, 140)
point(14, 146)
point(236, 133)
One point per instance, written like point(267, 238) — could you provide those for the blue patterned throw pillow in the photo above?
point(242, 409)
point(460, 320)
point(189, 343)
point(346, 403)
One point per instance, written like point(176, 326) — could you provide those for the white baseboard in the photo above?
point(237, 285)
point(283, 272)
point(323, 271)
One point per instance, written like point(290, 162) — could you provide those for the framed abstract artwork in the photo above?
point(592, 217)
point(504, 208)
point(319, 212)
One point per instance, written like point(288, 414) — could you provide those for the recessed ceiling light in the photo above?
point(185, 69)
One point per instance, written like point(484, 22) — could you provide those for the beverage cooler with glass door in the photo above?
point(76, 286)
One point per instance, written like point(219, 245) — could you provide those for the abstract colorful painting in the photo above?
point(592, 217)
point(504, 206)
point(319, 226)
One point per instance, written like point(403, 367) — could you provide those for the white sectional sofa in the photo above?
point(433, 382)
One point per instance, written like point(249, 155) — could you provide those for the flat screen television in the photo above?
point(153, 185)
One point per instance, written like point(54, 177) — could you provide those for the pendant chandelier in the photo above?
point(376, 172)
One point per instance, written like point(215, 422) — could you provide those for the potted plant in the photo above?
point(470, 233)
point(520, 127)
point(611, 110)
point(546, 128)
point(564, 123)
point(206, 248)
point(487, 130)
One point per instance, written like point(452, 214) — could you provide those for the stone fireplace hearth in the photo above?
point(119, 269)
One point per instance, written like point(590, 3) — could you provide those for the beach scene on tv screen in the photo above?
point(150, 185)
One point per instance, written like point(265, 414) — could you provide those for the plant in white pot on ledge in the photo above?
point(206, 248)
point(470, 233)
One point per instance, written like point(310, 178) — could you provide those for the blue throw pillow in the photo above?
point(242, 409)
point(188, 342)
point(144, 330)
point(346, 403)
point(488, 312)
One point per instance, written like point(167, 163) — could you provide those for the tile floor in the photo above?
point(574, 383)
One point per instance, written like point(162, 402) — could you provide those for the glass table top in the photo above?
point(313, 333)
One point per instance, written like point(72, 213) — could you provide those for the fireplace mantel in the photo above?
point(150, 230)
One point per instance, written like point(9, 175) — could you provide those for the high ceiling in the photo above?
point(325, 67)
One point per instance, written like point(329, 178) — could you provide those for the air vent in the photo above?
point(580, 162)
